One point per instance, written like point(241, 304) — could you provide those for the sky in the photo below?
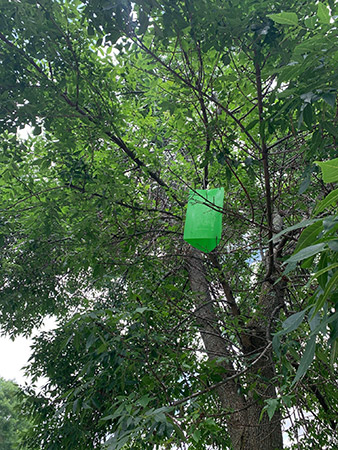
point(14, 355)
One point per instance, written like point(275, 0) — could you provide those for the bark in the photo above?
point(246, 430)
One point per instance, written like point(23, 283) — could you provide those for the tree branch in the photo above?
point(266, 170)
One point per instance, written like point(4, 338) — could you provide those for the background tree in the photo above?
point(12, 422)
point(132, 104)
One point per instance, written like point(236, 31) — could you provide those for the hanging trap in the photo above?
point(203, 222)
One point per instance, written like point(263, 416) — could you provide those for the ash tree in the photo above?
point(131, 104)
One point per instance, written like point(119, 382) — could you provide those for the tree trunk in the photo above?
point(246, 430)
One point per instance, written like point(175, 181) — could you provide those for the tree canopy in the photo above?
point(131, 104)
point(12, 423)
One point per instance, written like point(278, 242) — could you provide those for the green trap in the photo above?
point(203, 224)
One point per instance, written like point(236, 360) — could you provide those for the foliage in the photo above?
point(131, 104)
point(12, 423)
point(317, 244)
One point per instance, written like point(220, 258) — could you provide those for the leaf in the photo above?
point(90, 341)
point(272, 406)
point(329, 170)
point(252, 124)
point(330, 199)
point(322, 264)
point(302, 224)
point(334, 353)
point(304, 184)
point(332, 129)
point(179, 432)
point(306, 359)
point(143, 401)
point(306, 252)
point(142, 309)
point(313, 44)
point(323, 13)
point(293, 322)
point(144, 22)
point(276, 345)
point(329, 98)
point(284, 18)
point(37, 131)
point(307, 115)
point(310, 22)
point(329, 287)
point(333, 245)
point(196, 435)
point(120, 443)
point(308, 262)
point(324, 270)
point(90, 31)
point(315, 321)
point(330, 222)
point(290, 324)
point(226, 59)
point(308, 236)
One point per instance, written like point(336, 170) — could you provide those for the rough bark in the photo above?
point(246, 430)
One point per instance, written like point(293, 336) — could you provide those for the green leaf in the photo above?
point(307, 115)
point(302, 224)
point(330, 222)
point(323, 13)
point(304, 184)
point(333, 245)
point(289, 325)
point(284, 18)
point(330, 199)
point(306, 359)
point(293, 322)
point(314, 321)
point(90, 31)
point(37, 131)
point(142, 309)
point(143, 401)
point(308, 236)
point(306, 253)
point(307, 263)
point(334, 353)
point(322, 264)
point(331, 285)
point(226, 59)
point(252, 124)
point(310, 22)
point(196, 436)
point(270, 407)
point(330, 99)
point(324, 270)
point(332, 129)
point(144, 22)
point(329, 170)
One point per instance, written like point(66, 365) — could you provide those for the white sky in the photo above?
point(14, 355)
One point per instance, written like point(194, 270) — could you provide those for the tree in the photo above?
point(131, 105)
point(11, 422)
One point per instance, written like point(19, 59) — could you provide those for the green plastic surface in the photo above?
point(203, 225)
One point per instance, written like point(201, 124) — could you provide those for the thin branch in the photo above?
point(221, 383)
point(191, 86)
point(266, 171)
